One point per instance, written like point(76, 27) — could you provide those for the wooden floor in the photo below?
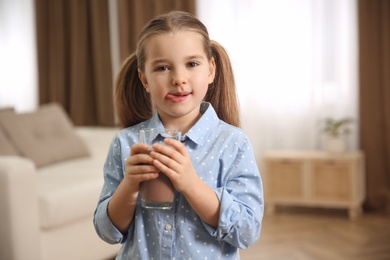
point(316, 234)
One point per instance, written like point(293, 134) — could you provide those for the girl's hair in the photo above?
point(132, 102)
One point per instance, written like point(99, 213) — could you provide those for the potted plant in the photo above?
point(335, 132)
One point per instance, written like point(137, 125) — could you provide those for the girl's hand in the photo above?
point(174, 161)
point(123, 202)
point(139, 167)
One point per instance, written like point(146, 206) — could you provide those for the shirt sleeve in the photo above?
point(113, 175)
point(242, 203)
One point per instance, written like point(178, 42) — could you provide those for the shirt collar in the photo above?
point(201, 130)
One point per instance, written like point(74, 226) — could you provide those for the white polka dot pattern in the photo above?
point(223, 158)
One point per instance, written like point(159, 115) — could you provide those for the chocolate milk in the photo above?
point(157, 193)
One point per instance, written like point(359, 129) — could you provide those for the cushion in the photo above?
point(45, 136)
point(6, 145)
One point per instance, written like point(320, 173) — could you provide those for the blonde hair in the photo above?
point(132, 102)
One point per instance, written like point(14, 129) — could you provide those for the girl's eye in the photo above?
point(192, 64)
point(162, 68)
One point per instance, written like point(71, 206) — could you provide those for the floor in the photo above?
point(321, 234)
point(303, 234)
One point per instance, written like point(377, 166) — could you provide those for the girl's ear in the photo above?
point(212, 68)
point(143, 80)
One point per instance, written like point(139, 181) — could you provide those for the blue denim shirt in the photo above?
point(223, 158)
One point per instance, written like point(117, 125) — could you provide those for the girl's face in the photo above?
point(177, 74)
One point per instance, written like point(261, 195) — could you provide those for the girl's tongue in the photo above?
point(177, 97)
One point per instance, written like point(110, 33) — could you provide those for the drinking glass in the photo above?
point(157, 193)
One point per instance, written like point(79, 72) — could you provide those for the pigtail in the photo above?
point(222, 92)
point(132, 102)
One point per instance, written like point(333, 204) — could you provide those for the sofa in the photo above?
point(50, 181)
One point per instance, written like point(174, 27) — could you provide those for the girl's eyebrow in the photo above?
point(157, 61)
point(163, 60)
point(198, 56)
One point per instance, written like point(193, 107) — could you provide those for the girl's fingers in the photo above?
point(145, 177)
point(170, 158)
point(139, 162)
point(179, 146)
point(138, 148)
point(139, 159)
point(166, 160)
point(163, 168)
point(173, 149)
point(141, 169)
point(138, 155)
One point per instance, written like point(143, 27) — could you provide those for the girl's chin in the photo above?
point(180, 110)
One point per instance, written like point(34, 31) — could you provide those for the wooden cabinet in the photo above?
point(313, 178)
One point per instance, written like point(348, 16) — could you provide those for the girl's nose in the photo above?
point(179, 78)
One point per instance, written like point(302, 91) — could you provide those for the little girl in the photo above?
point(179, 79)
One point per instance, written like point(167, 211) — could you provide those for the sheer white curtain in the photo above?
point(18, 64)
point(295, 63)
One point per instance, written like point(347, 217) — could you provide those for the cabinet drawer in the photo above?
point(332, 180)
point(284, 179)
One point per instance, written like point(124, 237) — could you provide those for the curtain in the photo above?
point(18, 73)
point(74, 61)
point(295, 63)
point(374, 71)
point(135, 13)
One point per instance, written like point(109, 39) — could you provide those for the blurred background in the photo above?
point(297, 62)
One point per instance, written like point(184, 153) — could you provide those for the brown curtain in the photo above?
point(374, 73)
point(74, 60)
point(134, 14)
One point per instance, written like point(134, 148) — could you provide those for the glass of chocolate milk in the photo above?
point(157, 193)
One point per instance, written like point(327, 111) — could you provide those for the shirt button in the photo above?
point(168, 227)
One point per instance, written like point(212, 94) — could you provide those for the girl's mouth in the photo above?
point(177, 97)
